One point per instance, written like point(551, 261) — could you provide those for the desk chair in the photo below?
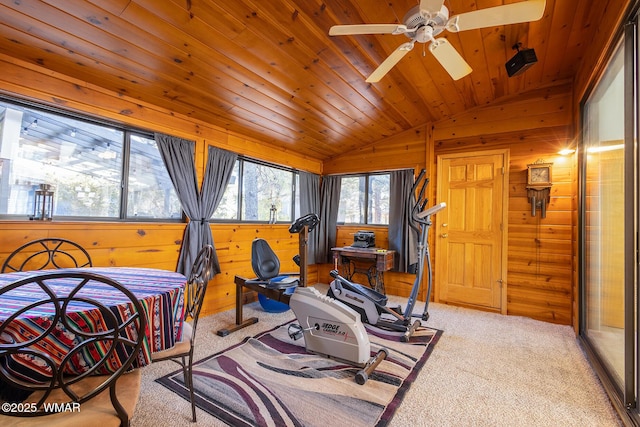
point(182, 352)
point(92, 377)
point(47, 253)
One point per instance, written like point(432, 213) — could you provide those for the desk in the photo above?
point(381, 260)
point(160, 291)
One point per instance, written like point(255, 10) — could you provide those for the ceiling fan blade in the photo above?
point(449, 58)
point(346, 30)
point(514, 13)
point(389, 63)
point(433, 6)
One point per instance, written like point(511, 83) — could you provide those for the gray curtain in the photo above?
point(179, 158)
point(402, 238)
point(329, 200)
point(310, 203)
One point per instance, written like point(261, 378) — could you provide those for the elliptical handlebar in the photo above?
point(421, 200)
point(432, 210)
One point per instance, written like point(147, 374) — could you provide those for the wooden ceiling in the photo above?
point(267, 69)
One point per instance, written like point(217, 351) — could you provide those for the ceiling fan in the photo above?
point(426, 20)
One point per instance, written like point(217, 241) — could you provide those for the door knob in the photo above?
point(444, 235)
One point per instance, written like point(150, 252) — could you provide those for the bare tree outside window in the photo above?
point(364, 199)
point(351, 208)
point(378, 206)
point(265, 194)
point(266, 188)
point(228, 207)
point(150, 191)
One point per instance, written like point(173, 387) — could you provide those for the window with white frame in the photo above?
point(96, 170)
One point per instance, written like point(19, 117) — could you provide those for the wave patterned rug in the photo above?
point(269, 380)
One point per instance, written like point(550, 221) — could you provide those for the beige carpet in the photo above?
point(486, 370)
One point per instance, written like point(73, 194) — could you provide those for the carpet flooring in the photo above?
point(486, 370)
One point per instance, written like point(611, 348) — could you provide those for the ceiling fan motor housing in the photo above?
point(415, 19)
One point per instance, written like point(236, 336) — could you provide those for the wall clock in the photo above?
point(539, 175)
point(539, 186)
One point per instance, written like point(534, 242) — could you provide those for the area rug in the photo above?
point(271, 380)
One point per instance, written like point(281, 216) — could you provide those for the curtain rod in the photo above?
point(369, 173)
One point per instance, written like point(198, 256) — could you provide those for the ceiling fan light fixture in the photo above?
point(424, 34)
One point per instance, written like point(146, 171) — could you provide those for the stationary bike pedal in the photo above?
point(295, 331)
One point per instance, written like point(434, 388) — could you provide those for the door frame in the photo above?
point(505, 213)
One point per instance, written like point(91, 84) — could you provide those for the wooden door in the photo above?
point(470, 232)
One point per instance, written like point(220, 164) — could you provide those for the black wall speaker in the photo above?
point(520, 62)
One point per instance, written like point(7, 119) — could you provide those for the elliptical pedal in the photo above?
point(410, 331)
point(397, 309)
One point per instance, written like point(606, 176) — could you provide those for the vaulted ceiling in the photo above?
point(269, 70)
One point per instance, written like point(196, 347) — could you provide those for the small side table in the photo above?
point(380, 260)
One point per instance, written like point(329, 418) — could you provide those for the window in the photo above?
point(96, 170)
point(259, 192)
point(604, 209)
point(150, 191)
point(228, 207)
point(364, 199)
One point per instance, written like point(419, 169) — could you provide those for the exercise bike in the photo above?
point(334, 330)
point(329, 327)
point(372, 305)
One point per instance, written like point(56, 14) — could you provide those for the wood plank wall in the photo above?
point(403, 151)
point(149, 244)
point(156, 245)
point(539, 265)
point(535, 125)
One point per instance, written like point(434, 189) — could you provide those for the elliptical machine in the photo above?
point(372, 305)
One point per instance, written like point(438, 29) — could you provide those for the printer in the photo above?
point(364, 239)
